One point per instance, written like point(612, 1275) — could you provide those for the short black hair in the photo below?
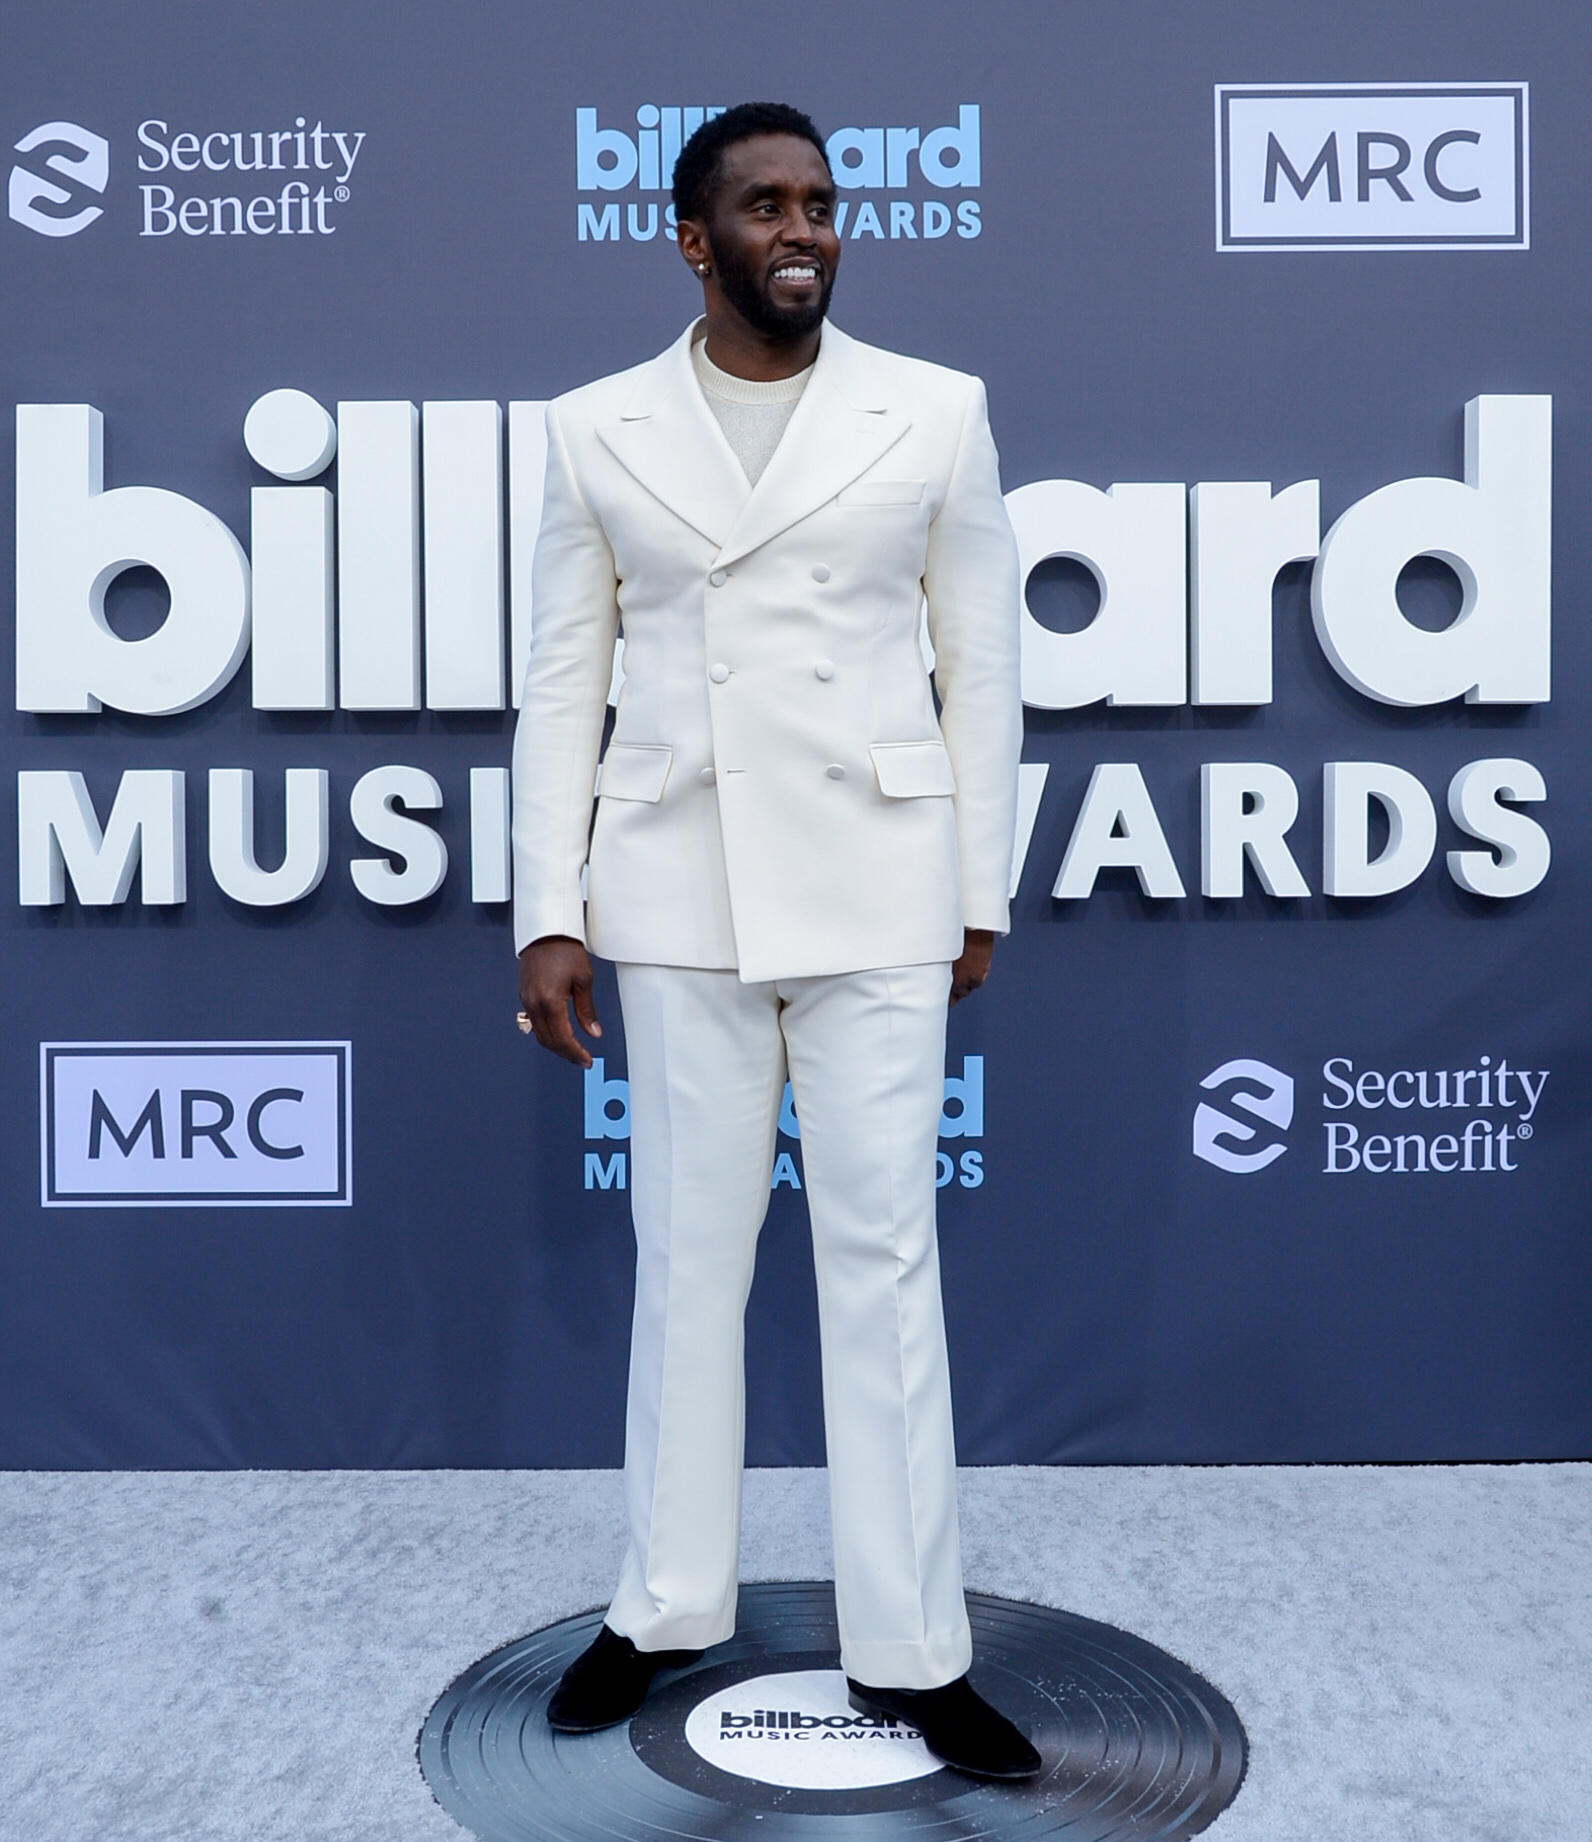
point(697, 167)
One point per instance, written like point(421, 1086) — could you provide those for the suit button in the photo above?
point(824, 669)
point(719, 578)
point(820, 572)
point(707, 777)
point(718, 673)
point(835, 771)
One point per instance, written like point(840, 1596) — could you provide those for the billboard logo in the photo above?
point(143, 1125)
point(1319, 166)
point(1273, 1104)
point(88, 165)
point(947, 158)
point(605, 1109)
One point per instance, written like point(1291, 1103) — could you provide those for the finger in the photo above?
point(551, 1023)
point(586, 1011)
point(564, 1040)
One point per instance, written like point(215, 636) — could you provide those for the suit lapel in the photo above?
point(839, 429)
point(669, 441)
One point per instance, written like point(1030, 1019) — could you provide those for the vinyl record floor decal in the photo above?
point(757, 1739)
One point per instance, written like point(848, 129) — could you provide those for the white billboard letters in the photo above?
point(1239, 537)
point(1475, 797)
point(491, 852)
point(292, 659)
point(378, 556)
point(58, 835)
point(305, 851)
point(1494, 531)
point(373, 806)
point(1348, 869)
point(463, 444)
point(74, 539)
point(1131, 538)
point(1246, 810)
point(1180, 575)
point(1117, 828)
point(1185, 576)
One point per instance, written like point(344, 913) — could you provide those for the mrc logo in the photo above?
point(1362, 166)
point(174, 1125)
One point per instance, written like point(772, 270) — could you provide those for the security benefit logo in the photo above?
point(1375, 1121)
point(283, 178)
point(896, 184)
point(1372, 166)
point(1266, 1094)
point(129, 1125)
point(43, 204)
point(605, 1102)
point(799, 1730)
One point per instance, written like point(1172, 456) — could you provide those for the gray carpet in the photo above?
point(249, 1656)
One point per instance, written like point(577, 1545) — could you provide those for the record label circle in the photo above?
point(797, 1729)
point(1136, 1746)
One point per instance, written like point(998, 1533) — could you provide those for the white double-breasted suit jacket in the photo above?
point(779, 794)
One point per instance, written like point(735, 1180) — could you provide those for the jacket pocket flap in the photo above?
point(883, 492)
point(634, 770)
point(912, 770)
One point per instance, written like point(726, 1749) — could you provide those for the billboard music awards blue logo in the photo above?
point(143, 1125)
point(208, 187)
point(1375, 1122)
point(896, 184)
point(1318, 166)
point(606, 1113)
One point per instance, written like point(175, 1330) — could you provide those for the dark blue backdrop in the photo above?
point(1110, 1297)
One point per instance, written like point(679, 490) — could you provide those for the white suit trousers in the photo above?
point(708, 1060)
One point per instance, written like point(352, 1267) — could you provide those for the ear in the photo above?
point(692, 236)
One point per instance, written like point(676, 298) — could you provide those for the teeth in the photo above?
point(795, 274)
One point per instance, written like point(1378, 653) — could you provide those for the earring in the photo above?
point(702, 268)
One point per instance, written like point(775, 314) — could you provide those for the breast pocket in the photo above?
point(868, 495)
point(634, 770)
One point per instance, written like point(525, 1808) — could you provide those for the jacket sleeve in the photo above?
point(575, 620)
point(971, 583)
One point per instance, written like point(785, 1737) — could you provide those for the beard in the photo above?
point(744, 290)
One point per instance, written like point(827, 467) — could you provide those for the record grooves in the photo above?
point(757, 1740)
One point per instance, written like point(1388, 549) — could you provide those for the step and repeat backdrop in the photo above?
point(1268, 1139)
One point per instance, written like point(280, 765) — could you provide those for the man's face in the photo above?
point(771, 227)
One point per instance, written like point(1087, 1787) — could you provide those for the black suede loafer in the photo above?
point(958, 1726)
point(608, 1682)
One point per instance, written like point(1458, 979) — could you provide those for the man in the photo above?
point(794, 865)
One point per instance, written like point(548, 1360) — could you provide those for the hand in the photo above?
point(971, 970)
point(554, 972)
